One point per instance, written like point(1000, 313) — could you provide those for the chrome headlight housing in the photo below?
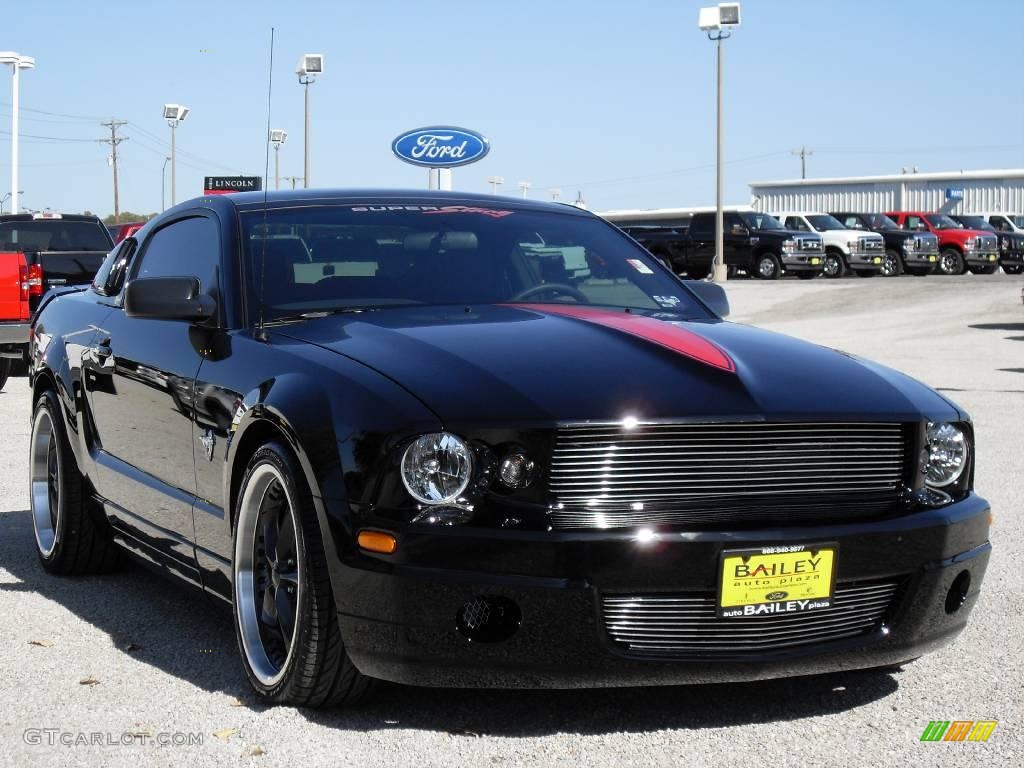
point(1004, 243)
point(909, 246)
point(947, 454)
point(789, 246)
point(970, 243)
point(437, 468)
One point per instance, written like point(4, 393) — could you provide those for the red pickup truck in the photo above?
point(39, 251)
point(960, 249)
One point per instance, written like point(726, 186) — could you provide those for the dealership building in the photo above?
point(950, 192)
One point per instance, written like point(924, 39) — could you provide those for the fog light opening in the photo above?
point(489, 619)
point(957, 594)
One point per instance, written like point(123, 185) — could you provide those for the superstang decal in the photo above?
point(676, 338)
point(428, 209)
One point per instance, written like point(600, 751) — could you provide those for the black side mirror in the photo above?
point(739, 229)
point(712, 294)
point(168, 298)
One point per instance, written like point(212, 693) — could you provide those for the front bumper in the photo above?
point(399, 613)
point(865, 260)
point(981, 258)
point(803, 262)
point(14, 339)
point(1011, 258)
point(920, 258)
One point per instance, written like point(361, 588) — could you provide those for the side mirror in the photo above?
point(739, 229)
point(167, 298)
point(712, 294)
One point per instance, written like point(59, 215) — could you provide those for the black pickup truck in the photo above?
point(668, 244)
point(39, 251)
point(1011, 244)
point(915, 253)
point(755, 243)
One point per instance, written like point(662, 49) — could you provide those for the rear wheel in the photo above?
point(768, 267)
point(835, 265)
point(71, 537)
point(1013, 269)
point(892, 264)
point(286, 619)
point(5, 370)
point(951, 262)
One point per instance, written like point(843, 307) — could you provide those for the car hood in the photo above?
point(518, 364)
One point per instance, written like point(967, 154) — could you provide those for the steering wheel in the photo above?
point(561, 288)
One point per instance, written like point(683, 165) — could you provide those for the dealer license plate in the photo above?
point(933, 258)
point(876, 260)
point(992, 257)
point(815, 261)
point(769, 581)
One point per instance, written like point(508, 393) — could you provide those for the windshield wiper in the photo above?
point(316, 314)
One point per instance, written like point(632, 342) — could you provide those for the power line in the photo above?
point(802, 153)
point(53, 114)
point(43, 138)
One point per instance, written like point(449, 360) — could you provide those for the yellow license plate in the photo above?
point(768, 581)
point(932, 258)
point(876, 260)
point(992, 257)
point(815, 261)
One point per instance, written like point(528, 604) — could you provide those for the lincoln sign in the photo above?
point(222, 185)
point(440, 147)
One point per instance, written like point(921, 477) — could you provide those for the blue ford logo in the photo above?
point(440, 147)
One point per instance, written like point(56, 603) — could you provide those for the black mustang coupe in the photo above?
point(457, 440)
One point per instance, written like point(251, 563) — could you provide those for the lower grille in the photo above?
point(687, 624)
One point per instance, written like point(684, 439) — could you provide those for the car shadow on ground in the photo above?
point(182, 633)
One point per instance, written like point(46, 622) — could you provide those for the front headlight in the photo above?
point(436, 468)
point(1004, 244)
point(788, 246)
point(853, 245)
point(969, 243)
point(947, 454)
point(908, 245)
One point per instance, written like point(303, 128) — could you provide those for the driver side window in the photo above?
point(185, 248)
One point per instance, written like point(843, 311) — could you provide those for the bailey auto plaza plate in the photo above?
point(774, 580)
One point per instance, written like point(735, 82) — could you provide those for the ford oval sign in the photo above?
point(440, 147)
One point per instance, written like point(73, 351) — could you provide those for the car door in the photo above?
point(140, 388)
point(735, 239)
point(702, 241)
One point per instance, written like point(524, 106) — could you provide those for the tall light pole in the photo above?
point(163, 185)
point(495, 182)
point(717, 22)
point(524, 186)
point(18, 63)
point(174, 114)
point(310, 65)
point(277, 138)
point(555, 193)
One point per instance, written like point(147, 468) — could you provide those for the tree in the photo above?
point(127, 216)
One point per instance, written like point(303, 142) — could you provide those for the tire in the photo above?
point(987, 269)
point(72, 537)
point(5, 370)
point(834, 266)
point(951, 262)
point(1013, 269)
point(767, 267)
point(865, 272)
point(892, 264)
point(311, 668)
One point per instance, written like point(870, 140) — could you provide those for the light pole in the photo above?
point(524, 186)
point(717, 22)
point(310, 65)
point(495, 182)
point(277, 138)
point(555, 193)
point(18, 63)
point(163, 185)
point(174, 114)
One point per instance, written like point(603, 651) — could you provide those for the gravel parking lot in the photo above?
point(130, 653)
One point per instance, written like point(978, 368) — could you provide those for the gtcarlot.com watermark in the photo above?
point(57, 737)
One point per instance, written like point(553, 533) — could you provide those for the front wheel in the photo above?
point(768, 267)
point(834, 266)
point(286, 620)
point(892, 264)
point(1013, 269)
point(951, 262)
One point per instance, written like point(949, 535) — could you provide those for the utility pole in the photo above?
point(293, 179)
point(803, 153)
point(113, 141)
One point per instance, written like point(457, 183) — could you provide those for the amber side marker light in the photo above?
point(377, 541)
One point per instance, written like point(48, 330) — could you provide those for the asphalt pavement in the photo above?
point(129, 669)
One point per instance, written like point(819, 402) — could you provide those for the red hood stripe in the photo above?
point(668, 335)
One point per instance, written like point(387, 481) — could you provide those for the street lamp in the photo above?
point(18, 63)
point(495, 182)
point(718, 21)
point(163, 185)
point(555, 193)
point(524, 186)
point(277, 138)
point(310, 65)
point(174, 114)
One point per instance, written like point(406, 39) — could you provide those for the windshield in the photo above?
point(975, 222)
point(822, 222)
point(1018, 221)
point(358, 257)
point(942, 221)
point(760, 221)
point(880, 221)
point(54, 235)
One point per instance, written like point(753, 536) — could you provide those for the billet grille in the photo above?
point(688, 624)
point(606, 476)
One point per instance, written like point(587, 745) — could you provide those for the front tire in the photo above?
point(835, 265)
point(768, 267)
point(1013, 269)
point(951, 262)
point(892, 264)
point(285, 616)
point(71, 538)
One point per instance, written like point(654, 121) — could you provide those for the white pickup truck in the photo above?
point(845, 249)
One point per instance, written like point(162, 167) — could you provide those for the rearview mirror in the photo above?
point(167, 298)
point(712, 294)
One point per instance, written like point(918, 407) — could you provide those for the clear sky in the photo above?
point(614, 99)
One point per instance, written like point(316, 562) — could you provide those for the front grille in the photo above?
point(707, 475)
point(872, 245)
point(688, 625)
point(929, 244)
point(808, 244)
point(986, 243)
